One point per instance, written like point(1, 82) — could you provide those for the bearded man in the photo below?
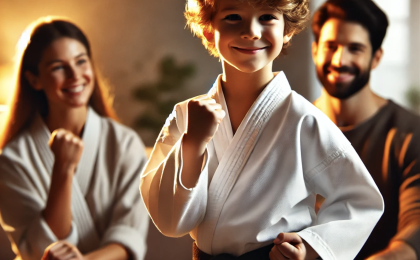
point(348, 38)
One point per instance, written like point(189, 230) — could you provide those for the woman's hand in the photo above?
point(67, 149)
point(62, 251)
point(291, 246)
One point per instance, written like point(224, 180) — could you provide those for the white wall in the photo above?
point(391, 79)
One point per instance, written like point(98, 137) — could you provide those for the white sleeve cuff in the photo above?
point(73, 237)
point(133, 240)
point(204, 168)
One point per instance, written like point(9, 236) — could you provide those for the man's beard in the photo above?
point(344, 90)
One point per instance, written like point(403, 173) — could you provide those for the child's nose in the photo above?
point(251, 31)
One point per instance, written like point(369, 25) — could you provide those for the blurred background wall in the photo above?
point(134, 42)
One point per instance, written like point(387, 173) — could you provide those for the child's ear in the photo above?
point(287, 37)
point(209, 36)
point(33, 80)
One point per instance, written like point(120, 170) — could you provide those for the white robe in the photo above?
point(263, 180)
point(106, 206)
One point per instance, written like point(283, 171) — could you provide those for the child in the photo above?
point(240, 167)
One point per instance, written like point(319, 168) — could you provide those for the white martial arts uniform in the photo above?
point(263, 180)
point(106, 205)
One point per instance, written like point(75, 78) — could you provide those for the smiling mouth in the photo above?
point(340, 77)
point(250, 50)
point(75, 90)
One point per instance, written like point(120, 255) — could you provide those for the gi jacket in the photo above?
point(106, 205)
point(263, 180)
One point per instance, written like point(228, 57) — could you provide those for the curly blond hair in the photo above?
point(199, 15)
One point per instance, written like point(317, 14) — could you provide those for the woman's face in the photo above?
point(65, 74)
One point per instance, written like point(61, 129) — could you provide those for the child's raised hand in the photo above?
point(204, 117)
point(291, 246)
point(67, 149)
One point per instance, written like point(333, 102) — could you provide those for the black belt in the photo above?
point(260, 254)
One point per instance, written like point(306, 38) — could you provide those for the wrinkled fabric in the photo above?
point(106, 206)
point(388, 144)
point(262, 180)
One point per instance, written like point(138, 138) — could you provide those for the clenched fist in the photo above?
point(67, 149)
point(291, 246)
point(204, 117)
point(62, 251)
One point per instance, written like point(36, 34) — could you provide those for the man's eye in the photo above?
point(267, 17)
point(355, 49)
point(330, 46)
point(233, 17)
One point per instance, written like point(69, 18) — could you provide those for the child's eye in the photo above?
point(267, 17)
point(233, 17)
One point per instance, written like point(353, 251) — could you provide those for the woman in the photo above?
point(83, 189)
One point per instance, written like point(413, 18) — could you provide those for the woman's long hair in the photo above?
point(26, 101)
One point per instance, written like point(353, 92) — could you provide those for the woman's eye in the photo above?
point(233, 17)
point(58, 67)
point(80, 62)
point(267, 17)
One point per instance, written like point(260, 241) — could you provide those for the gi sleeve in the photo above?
point(353, 203)
point(174, 209)
point(21, 206)
point(129, 221)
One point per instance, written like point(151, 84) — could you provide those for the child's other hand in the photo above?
point(67, 149)
point(204, 117)
point(291, 246)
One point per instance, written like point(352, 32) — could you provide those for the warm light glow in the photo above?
point(328, 105)
point(25, 37)
point(6, 85)
point(3, 108)
point(6, 90)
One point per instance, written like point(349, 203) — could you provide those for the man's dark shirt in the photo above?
point(389, 145)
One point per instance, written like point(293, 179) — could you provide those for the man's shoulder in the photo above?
point(402, 118)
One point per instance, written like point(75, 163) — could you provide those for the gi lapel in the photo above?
point(237, 154)
point(88, 237)
point(224, 134)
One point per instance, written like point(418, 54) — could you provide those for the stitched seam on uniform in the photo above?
point(321, 242)
point(325, 163)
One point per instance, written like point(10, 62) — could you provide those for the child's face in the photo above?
point(247, 37)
